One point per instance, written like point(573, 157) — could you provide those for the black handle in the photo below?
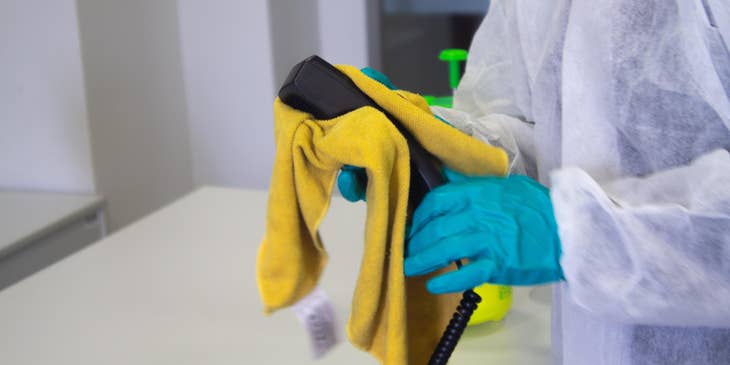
point(316, 87)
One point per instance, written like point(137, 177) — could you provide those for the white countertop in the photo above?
point(25, 216)
point(178, 287)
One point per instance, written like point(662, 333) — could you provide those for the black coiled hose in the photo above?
point(468, 304)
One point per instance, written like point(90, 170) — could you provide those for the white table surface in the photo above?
point(25, 216)
point(178, 287)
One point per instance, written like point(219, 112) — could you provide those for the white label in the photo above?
point(316, 313)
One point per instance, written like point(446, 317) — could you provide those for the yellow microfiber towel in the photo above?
point(392, 317)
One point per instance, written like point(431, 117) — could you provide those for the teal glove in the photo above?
point(352, 182)
point(504, 226)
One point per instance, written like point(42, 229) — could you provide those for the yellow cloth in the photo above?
point(392, 317)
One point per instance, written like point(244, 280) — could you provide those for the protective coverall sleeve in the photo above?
point(651, 250)
point(493, 101)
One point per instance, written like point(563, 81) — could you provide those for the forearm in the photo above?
point(654, 250)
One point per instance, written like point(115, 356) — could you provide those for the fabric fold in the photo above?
point(392, 317)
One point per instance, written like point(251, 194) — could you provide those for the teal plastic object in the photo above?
point(503, 225)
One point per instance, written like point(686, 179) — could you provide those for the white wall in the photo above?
point(294, 27)
point(44, 143)
point(137, 111)
point(235, 56)
point(343, 33)
point(226, 48)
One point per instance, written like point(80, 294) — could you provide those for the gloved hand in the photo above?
point(503, 225)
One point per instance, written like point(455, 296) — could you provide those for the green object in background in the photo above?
point(454, 56)
point(444, 101)
point(496, 299)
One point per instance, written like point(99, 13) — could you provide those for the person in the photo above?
point(622, 108)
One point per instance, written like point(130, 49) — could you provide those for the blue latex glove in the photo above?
point(353, 180)
point(352, 183)
point(504, 226)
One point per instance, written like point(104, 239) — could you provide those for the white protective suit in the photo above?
point(622, 107)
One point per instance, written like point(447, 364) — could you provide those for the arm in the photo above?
point(512, 77)
point(661, 252)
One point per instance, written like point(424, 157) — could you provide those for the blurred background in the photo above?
point(139, 102)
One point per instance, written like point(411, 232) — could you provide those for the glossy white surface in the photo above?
point(178, 287)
